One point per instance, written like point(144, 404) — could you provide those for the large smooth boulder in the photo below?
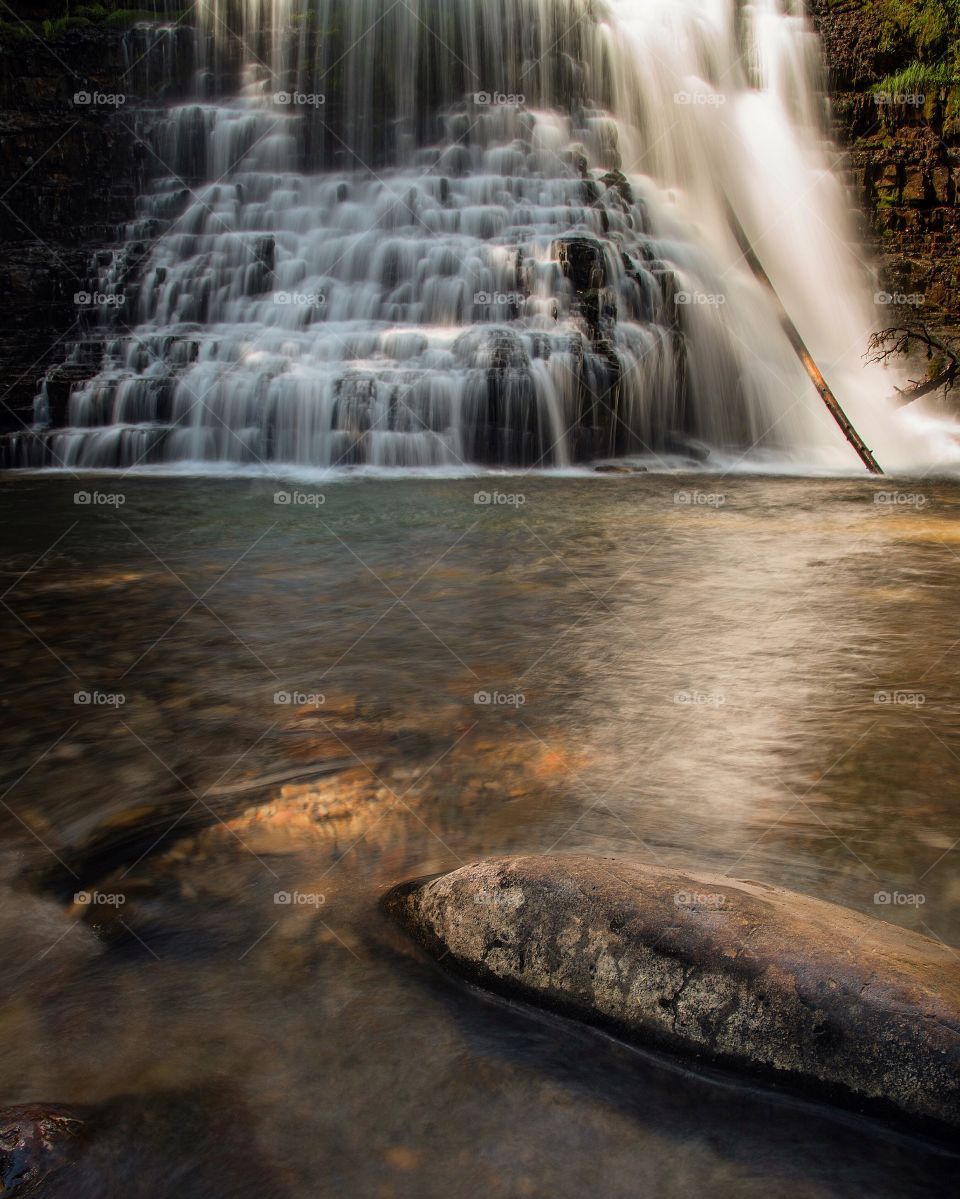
point(739, 974)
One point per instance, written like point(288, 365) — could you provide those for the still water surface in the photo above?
point(745, 675)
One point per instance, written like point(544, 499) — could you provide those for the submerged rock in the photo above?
point(35, 1142)
point(739, 974)
point(189, 1144)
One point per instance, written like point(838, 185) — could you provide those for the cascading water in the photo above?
point(444, 232)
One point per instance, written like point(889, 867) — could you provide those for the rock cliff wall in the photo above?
point(894, 111)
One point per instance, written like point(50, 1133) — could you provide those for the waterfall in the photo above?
point(440, 233)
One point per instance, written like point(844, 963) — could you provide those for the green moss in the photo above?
point(57, 28)
point(13, 31)
point(107, 15)
point(922, 37)
point(124, 17)
point(931, 28)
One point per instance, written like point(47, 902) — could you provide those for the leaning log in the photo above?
point(800, 348)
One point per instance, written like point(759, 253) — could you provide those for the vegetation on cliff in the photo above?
point(65, 16)
point(924, 35)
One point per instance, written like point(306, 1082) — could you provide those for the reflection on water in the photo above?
point(292, 705)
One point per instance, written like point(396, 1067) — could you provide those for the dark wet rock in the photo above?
point(584, 265)
point(502, 420)
point(617, 182)
point(618, 468)
point(739, 974)
point(35, 1143)
point(264, 262)
point(172, 1145)
point(492, 348)
point(581, 260)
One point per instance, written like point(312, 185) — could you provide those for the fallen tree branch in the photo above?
point(800, 349)
point(899, 340)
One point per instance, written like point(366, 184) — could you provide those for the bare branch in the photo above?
point(899, 340)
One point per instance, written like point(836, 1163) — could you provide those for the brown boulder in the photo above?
point(739, 974)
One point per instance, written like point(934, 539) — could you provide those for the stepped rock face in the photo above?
point(738, 974)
